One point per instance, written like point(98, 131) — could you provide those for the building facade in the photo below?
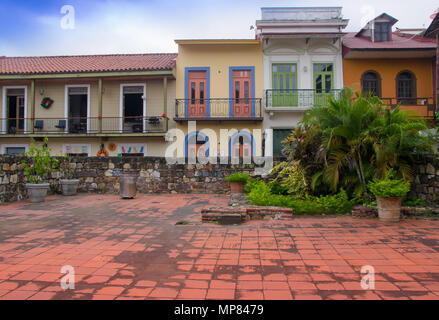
point(302, 64)
point(219, 92)
point(88, 105)
point(396, 66)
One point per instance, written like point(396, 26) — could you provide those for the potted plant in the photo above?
point(389, 193)
point(237, 182)
point(69, 185)
point(38, 165)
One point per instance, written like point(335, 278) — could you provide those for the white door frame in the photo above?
point(66, 104)
point(123, 85)
point(4, 107)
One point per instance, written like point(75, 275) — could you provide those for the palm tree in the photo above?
point(363, 139)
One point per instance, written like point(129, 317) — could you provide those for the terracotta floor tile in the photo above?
point(277, 295)
point(220, 294)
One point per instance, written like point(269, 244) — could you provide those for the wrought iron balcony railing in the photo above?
point(423, 107)
point(297, 98)
point(218, 109)
point(84, 125)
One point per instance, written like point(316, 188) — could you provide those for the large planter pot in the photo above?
point(389, 209)
point(69, 186)
point(236, 187)
point(37, 192)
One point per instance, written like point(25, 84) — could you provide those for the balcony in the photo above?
point(218, 109)
point(85, 126)
point(296, 99)
point(422, 107)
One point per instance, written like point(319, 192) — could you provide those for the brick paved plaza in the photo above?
point(133, 249)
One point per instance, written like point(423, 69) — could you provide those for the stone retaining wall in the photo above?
point(426, 184)
point(102, 175)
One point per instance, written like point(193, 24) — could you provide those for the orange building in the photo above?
point(397, 66)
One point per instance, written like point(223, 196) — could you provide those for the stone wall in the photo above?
point(426, 185)
point(102, 175)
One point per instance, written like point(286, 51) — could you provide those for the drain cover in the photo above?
point(230, 219)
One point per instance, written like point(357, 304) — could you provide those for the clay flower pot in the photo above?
point(389, 209)
point(237, 187)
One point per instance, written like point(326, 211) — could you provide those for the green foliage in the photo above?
point(389, 188)
point(292, 177)
point(238, 177)
point(414, 203)
point(260, 194)
point(355, 139)
point(39, 163)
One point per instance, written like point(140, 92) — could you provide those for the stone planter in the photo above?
point(236, 187)
point(69, 187)
point(389, 210)
point(37, 192)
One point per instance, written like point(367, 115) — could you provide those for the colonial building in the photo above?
point(83, 103)
point(219, 98)
point(433, 33)
point(396, 66)
point(302, 64)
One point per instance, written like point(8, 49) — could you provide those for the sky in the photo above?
point(39, 28)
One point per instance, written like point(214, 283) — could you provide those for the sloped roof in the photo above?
point(399, 41)
point(433, 29)
point(87, 64)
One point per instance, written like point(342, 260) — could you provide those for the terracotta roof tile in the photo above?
point(399, 41)
point(87, 64)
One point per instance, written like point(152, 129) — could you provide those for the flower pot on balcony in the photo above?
point(69, 186)
point(389, 209)
point(237, 187)
point(37, 192)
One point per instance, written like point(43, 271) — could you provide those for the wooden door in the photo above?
point(242, 94)
point(197, 94)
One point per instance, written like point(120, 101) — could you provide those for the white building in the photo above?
point(302, 64)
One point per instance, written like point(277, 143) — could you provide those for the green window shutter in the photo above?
point(284, 92)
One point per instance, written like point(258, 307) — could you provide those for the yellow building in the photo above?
point(84, 103)
point(219, 90)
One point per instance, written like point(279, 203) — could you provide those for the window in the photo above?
point(382, 31)
point(15, 150)
point(371, 83)
point(406, 87)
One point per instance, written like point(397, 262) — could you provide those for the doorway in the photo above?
point(78, 109)
point(133, 108)
point(323, 82)
point(242, 84)
point(197, 94)
point(15, 110)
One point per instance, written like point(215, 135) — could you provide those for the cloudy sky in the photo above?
point(29, 28)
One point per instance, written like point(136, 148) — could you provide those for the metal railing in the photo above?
point(425, 107)
point(297, 98)
point(84, 125)
point(222, 108)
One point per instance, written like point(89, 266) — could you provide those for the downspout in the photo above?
point(32, 106)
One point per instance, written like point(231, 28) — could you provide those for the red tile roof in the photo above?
point(399, 41)
point(87, 64)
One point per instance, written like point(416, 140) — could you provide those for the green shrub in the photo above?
point(260, 194)
point(292, 177)
point(39, 163)
point(277, 188)
point(238, 177)
point(389, 188)
point(414, 202)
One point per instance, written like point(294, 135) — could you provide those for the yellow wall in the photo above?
point(219, 57)
point(388, 69)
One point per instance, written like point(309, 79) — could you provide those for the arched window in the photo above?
point(406, 87)
point(197, 145)
point(371, 83)
point(242, 145)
